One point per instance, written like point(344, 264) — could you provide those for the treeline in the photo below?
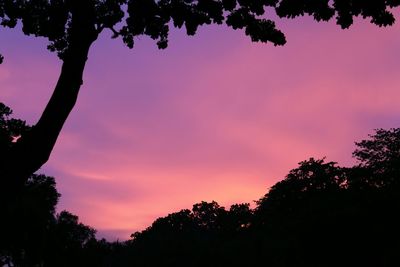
point(321, 214)
point(31, 233)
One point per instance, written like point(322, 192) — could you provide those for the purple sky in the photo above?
point(213, 117)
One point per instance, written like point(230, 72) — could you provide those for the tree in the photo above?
point(322, 211)
point(31, 233)
point(26, 220)
point(10, 131)
point(316, 216)
point(71, 26)
point(68, 238)
point(379, 159)
point(310, 178)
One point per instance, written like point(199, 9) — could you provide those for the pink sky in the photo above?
point(213, 117)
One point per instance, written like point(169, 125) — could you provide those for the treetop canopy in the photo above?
point(54, 19)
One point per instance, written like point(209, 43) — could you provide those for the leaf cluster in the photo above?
point(128, 19)
point(10, 128)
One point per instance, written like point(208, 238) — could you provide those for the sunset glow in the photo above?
point(213, 117)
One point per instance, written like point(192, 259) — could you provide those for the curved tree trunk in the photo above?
point(34, 149)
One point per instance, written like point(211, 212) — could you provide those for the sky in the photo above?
point(213, 117)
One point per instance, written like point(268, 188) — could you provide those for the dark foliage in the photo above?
point(26, 218)
point(31, 234)
point(53, 19)
point(379, 157)
point(319, 215)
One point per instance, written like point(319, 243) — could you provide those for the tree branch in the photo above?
point(33, 149)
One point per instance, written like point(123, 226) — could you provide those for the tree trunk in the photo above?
point(33, 149)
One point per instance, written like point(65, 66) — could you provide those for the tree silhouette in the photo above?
point(71, 26)
point(380, 155)
point(10, 131)
point(31, 234)
point(321, 211)
point(312, 176)
point(321, 214)
point(27, 217)
point(67, 242)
